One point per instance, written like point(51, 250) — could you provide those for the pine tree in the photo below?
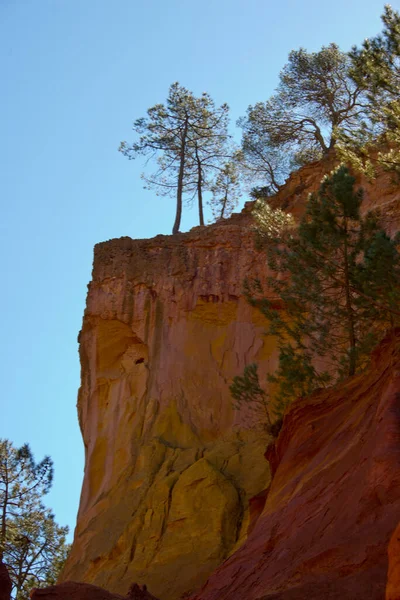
point(376, 70)
point(298, 124)
point(32, 545)
point(188, 138)
point(333, 290)
point(225, 191)
point(246, 390)
point(207, 151)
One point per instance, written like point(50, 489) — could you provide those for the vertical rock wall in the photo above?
point(170, 466)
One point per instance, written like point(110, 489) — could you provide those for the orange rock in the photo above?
point(165, 330)
point(334, 499)
point(170, 465)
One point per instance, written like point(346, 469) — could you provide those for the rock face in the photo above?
point(170, 466)
point(334, 502)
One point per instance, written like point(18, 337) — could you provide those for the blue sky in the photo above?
point(75, 74)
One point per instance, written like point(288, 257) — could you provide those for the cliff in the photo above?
point(170, 467)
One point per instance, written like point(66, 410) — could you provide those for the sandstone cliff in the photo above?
point(170, 466)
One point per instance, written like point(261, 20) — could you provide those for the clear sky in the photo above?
point(74, 75)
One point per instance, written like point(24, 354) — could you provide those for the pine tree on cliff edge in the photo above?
point(187, 136)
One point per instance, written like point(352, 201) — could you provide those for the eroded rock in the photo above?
point(170, 465)
point(334, 501)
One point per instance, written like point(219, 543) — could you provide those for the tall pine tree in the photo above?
point(187, 136)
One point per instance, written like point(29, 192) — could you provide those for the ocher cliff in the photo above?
point(170, 466)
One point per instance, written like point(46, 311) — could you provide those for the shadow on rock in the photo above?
point(71, 590)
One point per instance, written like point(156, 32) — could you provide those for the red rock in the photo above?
point(334, 500)
point(139, 592)
point(393, 585)
point(71, 590)
point(5, 583)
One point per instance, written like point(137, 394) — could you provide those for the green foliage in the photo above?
point(299, 124)
point(332, 293)
point(296, 376)
point(379, 277)
point(261, 160)
point(225, 191)
point(261, 192)
point(187, 136)
point(246, 390)
point(32, 545)
point(271, 223)
point(376, 70)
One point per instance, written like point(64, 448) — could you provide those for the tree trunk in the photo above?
point(320, 139)
point(4, 517)
point(179, 192)
point(224, 205)
point(199, 189)
point(349, 310)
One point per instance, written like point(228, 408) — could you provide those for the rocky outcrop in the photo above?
point(170, 466)
point(334, 502)
point(381, 194)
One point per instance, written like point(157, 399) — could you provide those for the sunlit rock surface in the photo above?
point(170, 466)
